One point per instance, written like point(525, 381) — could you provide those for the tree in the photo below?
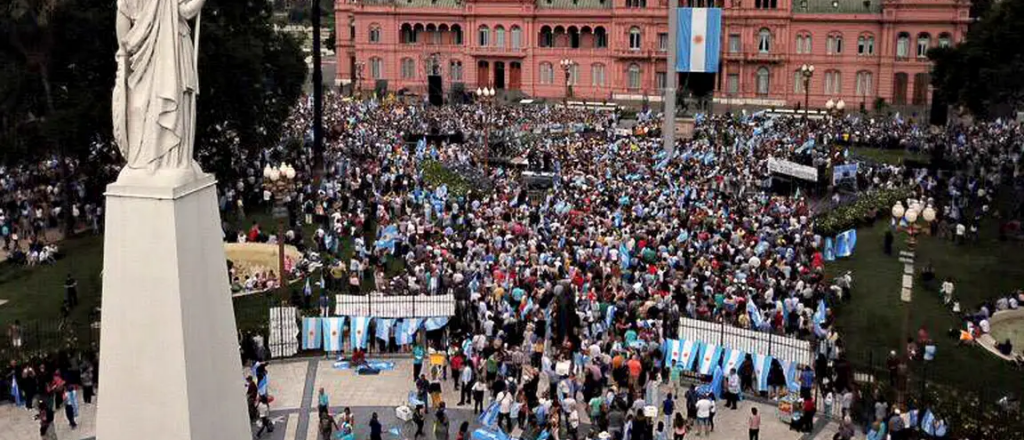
point(250, 77)
point(983, 72)
point(57, 72)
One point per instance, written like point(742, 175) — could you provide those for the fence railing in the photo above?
point(725, 335)
point(41, 338)
point(378, 306)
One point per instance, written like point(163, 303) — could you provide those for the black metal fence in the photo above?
point(37, 339)
point(988, 411)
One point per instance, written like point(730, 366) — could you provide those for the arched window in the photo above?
point(376, 68)
point(408, 68)
point(406, 34)
point(945, 40)
point(865, 83)
point(484, 36)
point(574, 74)
point(764, 40)
point(866, 45)
point(574, 37)
point(766, 4)
point(834, 44)
point(435, 34)
point(924, 42)
point(600, 38)
point(455, 70)
point(764, 78)
point(457, 35)
point(803, 43)
point(517, 37)
point(921, 83)
point(833, 83)
point(547, 38)
point(634, 38)
point(903, 45)
point(375, 33)
point(547, 73)
point(633, 76)
point(597, 75)
point(499, 36)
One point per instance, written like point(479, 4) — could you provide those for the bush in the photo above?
point(436, 174)
point(865, 209)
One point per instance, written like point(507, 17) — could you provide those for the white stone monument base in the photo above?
point(169, 360)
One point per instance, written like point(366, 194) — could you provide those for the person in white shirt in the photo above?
point(947, 290)
point(705, 407)
point(733, 390)
point(505, 401)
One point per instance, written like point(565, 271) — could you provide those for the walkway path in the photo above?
point(294, 385)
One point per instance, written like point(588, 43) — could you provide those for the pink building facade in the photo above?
point(862, 50)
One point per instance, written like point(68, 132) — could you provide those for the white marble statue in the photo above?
point(154, 103)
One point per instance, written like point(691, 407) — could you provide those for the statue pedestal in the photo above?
point(169, 357)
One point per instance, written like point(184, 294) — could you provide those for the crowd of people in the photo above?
point(597, 270)
point(568, 293)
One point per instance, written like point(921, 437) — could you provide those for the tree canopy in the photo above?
point(249, 76)
point(984, 72)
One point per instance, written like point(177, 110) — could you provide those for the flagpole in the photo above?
point(668, 130)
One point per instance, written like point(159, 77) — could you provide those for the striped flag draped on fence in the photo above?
point(312, 334)
point(762, 365)
point(733, 359)
point(359, 333)
point(332, 328)
point(384, 328)
point(709, 359)
point(431, 324)
point(407, 330)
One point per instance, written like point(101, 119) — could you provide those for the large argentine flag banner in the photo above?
point(699, 39)
point(762, 364)
point(332, 328)
point(360, 331)
point(709, 359)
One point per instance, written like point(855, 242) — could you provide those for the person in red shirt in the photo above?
point(807, 420)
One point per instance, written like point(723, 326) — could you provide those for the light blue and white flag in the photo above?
point(699, 39)
point(489, 434)
point(359, 331)
point(819, 314)
point(307, 290)
point(431, 324)
point(16, 393)
point(387, 238)
point(733, 359)
point(762, 365)
point(792, 380)
point(830, 253)
point(332, 329)
point(624, 256)
point(312, 333)
point(688, 358)
point(673, 351)
point(845, 243)
point(755, 315)
point(384, 328)
point(709, 358)
point(489, 417)
point(406, 330)
point(716, 382)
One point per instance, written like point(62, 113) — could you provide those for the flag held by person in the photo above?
point(359, 333)
point(312, 334)
point(845, 243)
point(489, 417)
point(699, 39)
point(332, 330)
point(830, 253)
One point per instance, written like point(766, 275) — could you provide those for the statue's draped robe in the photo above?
point(154, 99)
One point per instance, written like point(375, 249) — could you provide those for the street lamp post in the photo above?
point(807, 71)
point(486, 96)
point(909, 215)
point(280, 181)
point(567, 65)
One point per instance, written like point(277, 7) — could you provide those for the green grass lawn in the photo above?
point(873, 321)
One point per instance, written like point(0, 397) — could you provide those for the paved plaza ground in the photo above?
point(294, 385)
